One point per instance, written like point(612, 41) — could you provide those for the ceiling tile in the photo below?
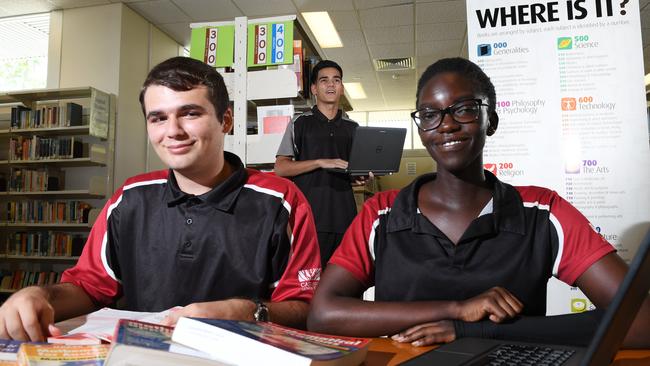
point(159, 11)
point(422, 62)
point(363, 76)
point(392, 50)
point(390, 35)
point(368, 79)
point(445, 47)
point(266, 8)
point(403, 100)
point(319, 5)
point(397, 76)
point(372, 90)
point(389, 16)
point(362, 59)
point(463, 50)
point(352, 40)
point(180, 32)
point(353, 70)
point(440, 31)
point(438, 12)
point(12, 8)
point(345, 20)
point(366, 105)
point(368, 4)
point(69, 4)
point(207, 10)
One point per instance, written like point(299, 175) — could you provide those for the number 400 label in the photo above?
point(262, 47)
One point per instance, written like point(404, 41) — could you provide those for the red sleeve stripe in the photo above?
point(112, 206)
point(558, 229)
point(371, 237)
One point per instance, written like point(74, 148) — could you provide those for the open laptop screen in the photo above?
point(375, 149)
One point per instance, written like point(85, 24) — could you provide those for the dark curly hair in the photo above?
point(183, 74)
point(481, 82)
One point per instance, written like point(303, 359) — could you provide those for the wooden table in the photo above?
point(385, 352)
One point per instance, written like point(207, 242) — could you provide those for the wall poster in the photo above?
point(572, 107)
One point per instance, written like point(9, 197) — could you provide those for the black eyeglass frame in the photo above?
point(446, 111)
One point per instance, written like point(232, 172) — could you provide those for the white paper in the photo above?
point(101, 323)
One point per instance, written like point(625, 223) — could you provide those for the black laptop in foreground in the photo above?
point(375, 149)
point(603, 347)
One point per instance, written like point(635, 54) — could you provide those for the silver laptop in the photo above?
point(375, 149)
point(603, 347)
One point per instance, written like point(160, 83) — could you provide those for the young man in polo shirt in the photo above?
point(316, 140)
point(208, 234)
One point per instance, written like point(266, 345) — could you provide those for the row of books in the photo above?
point(15, 280)
point(193, 341)
point(46, 212)
point(45, 243)
point(50, 115)
point(38, 148)
point(35, 180)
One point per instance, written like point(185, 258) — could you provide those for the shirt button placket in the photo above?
point(188, 237)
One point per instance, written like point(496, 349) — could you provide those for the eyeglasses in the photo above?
point(465, 111)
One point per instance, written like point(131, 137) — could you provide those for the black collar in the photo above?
point(321, 117)
point(221, 197)
point(508, 206)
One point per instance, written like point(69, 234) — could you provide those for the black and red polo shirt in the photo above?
point(251, 236)
point(312, 136)
point(524, 236)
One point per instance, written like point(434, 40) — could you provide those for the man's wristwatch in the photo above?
point(261, 313)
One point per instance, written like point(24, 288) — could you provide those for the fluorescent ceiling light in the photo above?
point(355, 90)
point(323, 29)
point(647, 79)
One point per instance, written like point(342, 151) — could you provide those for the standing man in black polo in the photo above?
point(314, 141)
point(207, 234)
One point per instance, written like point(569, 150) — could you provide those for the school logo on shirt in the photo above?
point(309, 278)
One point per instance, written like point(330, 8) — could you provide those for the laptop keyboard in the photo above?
point(523, 355)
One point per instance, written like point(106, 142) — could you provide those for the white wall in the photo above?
point(162, 47)
point(111, 48)
point(90, 47)
point(131, 136)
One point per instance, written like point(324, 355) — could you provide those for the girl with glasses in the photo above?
point(459, 251)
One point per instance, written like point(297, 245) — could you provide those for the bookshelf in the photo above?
point(56, 168)
point(261, 86)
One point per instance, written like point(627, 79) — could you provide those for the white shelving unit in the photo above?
point(244, 86)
